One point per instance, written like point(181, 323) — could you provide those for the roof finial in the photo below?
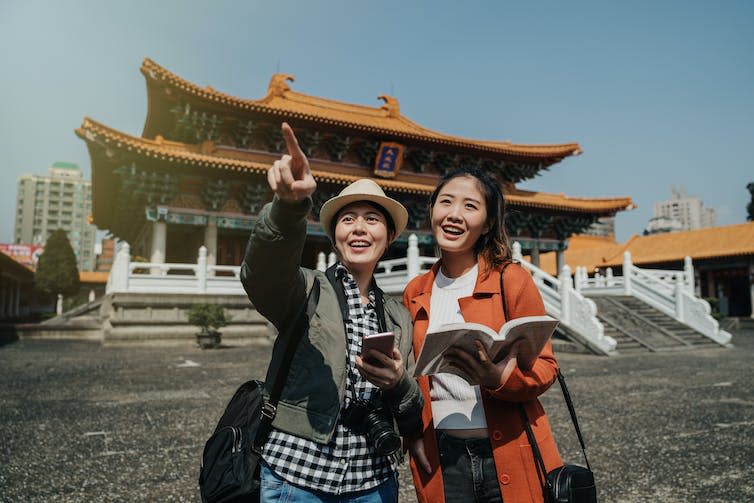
point(391, 105)
point(278, 85)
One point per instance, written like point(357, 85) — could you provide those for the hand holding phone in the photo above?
point(382, 342)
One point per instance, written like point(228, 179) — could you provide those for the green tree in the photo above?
point(57, 272)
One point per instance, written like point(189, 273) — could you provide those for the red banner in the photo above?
point(27, 255)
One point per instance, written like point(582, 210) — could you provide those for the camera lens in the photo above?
point(374, 422)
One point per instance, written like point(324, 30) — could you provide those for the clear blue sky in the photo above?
point(658, 94)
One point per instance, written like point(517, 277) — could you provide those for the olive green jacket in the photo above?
point(312, 397)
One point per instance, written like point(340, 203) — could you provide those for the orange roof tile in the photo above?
point(93, 276)
point(709, 243)
point(566, 203)
point(387, 119)
point(91, 130)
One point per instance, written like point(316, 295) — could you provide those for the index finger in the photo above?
point(291, 142)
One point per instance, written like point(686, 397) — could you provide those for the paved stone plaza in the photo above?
point(81, 422)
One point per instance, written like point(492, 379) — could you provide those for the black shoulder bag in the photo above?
point(568, 483)
point(230, 469)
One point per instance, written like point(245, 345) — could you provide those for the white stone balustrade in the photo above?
point(564, 301)
point(669, 291)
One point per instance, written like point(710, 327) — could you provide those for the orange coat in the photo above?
point(513, 456)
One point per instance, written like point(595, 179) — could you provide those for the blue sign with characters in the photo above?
point(389, 159)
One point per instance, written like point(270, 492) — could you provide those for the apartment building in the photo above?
point(62, 199)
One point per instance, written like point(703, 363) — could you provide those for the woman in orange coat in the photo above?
point(474, 446)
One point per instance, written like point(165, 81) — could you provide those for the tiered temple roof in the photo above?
point(207, 152)
point(216, 157)
point(702, 244)
point(283, 102)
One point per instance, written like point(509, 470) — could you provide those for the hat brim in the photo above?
point(332, 206)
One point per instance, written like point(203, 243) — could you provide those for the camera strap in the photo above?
point(292, 336)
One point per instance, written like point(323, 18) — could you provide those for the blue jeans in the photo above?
point(468, 469)
point(274, 488)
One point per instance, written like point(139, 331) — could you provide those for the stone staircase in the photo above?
point(638, 327)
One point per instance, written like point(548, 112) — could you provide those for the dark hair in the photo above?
point(376, 206)
point(494, 245)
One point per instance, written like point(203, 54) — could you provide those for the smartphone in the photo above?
point(382, 342)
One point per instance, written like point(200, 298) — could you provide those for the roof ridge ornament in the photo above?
point(278, 85)
point(391, 105)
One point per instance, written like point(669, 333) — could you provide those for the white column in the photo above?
point(688, 273)
point(679, 288)
point(201, 270)
point(331, 258)
point(117, 280)
point(516, 251)
point(627, 272)
point(210, 242)
point(59, 305)
point(412, 257)
point(321, 264)
point(159, 242)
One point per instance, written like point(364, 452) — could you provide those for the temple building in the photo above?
point(723, 259)
point(197, 174)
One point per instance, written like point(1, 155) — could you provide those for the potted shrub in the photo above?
point(208, 317)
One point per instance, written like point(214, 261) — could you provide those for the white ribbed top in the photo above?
point(456, 405)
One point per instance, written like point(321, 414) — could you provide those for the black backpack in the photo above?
point(231, 461)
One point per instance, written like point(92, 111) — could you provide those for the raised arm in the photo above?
point(270, 271)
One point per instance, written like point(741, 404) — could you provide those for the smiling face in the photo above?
point(361, 237)
point(459, 219)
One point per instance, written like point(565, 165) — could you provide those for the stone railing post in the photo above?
point(412, 257)
point(516, 251)
point(566, 289)
point(321, 264)
point(579, 278)
point(627, 265)
point(679, 289)
point(201, 270)
point(688, 273)
point(331, 259)
point(117, 281)
point(609, 277)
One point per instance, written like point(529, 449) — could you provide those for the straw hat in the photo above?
point(363, 189)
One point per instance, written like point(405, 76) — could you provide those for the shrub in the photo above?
point(207, 316)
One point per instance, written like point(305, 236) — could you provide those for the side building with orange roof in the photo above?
point(723, 259)
point(196, 176)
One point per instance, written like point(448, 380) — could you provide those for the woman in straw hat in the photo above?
point(336, 432)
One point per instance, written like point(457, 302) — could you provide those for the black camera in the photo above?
point(373, 420)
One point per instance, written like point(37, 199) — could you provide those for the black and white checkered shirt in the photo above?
point(347, 463)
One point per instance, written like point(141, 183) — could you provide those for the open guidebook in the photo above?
point(529, 334)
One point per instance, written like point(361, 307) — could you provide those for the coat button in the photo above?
point(505, 479)
point(497, 435)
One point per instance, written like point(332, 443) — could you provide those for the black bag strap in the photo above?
point(292, 337)
point(574, 420)
point(502, 287)
point(563, 388)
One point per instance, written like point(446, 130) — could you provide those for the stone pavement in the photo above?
point(82, 422)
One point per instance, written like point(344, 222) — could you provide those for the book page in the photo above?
point(463, 335)
point(528, 334)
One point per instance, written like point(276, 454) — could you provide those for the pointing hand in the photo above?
point(291, 177)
